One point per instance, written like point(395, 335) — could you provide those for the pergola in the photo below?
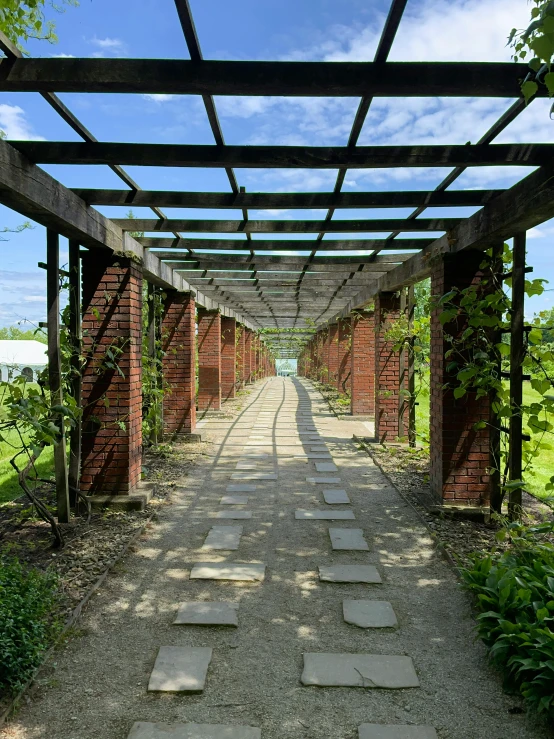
point(311, 285)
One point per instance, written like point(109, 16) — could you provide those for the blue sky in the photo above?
point(245, 29)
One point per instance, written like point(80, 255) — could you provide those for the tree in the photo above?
point(20, 21)
point(16, 334)
point(536, 45)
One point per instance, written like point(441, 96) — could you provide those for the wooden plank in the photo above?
point(517, 355)
point(303, 157)
point(374, 225)
point(55, 369)
point(75, 337)
point(312, 79)
point(287, 200)
point(198, 244)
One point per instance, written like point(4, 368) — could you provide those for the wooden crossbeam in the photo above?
point(374, 225)
point(312, 79)
point(304, 157)
point(287, 200)
point(285, 244)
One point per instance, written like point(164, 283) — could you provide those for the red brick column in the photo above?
point(247, 355)
point(333, 353)
point(228, 357)
point(362, 400)
point(179, 363)
point(391, 407)
point(344, 376)
point(255, 356)
point(240, 356)
point(325, 356)
point(112, 318)
point(459, 454)
point(209, 360)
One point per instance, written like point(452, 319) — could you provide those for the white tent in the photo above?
point(21, 357)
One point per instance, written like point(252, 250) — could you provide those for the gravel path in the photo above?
point(98, 684)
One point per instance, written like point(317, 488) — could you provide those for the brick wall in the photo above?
point(344, 376)
point(391, 407)
point(247, 355)
point(362, 399)
point(459, 454)
point(228, 357)
point(209, 360)
point(179, 363)
point(333, 353)
point(112, 318)
point(241, 375)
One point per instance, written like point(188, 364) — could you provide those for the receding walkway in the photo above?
point(289, 590)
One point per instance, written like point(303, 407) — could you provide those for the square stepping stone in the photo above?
point(323, 480)
point(146, 730)
point(255, 455)
point(237, 515)
point(320, 448)
point(396, 731)
point(245, 466)
point(348, 540)
point(332, 497)
point(180, 670)
point(254, 476)
point(234, 500)
point(223, 613)
point(369, 614)
point(349, 573)
point(227, 571)
point(241, 488)
point(326, 467)
point(320, 455)
point(359, 671)
point(315, 515)
point(223, 537)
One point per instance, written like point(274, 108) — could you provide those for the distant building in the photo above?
point(22, 358)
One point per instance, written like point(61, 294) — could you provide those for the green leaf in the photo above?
point(529, 88)
point(459, 392)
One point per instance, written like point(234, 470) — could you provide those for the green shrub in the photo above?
point(514, 588)
point(27, 624)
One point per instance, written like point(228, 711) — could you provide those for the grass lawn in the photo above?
point(543, 465)
point(9, 487)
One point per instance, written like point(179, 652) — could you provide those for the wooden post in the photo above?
point(494, 420)
point(411, 370)
point(55, 368)
point(402, 384)
point(516, 371)
point(75, 335)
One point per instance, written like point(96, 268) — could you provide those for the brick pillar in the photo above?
point(255, 356)
point(179, 363)
point(333, 353)
point(241, 363)
point(112, 318)
point(391, 407)
point(325, 356)
point(459, 454)
point(362, 400)
point(344, 376)
point(247, 355)
point(228, 357)
point(209, 360)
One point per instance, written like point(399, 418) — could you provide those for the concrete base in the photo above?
point(190, 438)
point(473, 513)
point(137, 500)
point(211, 414)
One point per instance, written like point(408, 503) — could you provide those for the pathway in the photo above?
point(289, 592)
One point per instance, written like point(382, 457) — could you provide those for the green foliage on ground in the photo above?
point(28, 598)
point(514, 590)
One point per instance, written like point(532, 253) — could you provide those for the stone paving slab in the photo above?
point(319, 455)
point(324, 480)
point(319, 448)
point(241, 488)
point(180, 670)
point(326, 467)
point(206, 613)
point(349, 573)
point(254, 476)
point(234, 500)
point(246, 466)
point(359, 671)
point(396, 731)
point(237, 515)
point(318, 515)
point(145, 730)
point(227, 571)
point(348, 540)
point(332, 497)
point(369, 614)
point(223, 537)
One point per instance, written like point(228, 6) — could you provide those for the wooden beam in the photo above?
point(304, 157)
point(285, 244)
point(55, 370)
point(287, 200)
point(312, 79)
point(374, 225)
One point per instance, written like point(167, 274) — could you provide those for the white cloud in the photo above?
point(35, 298)
point(63, 56)
point(160, 98)
point(14, 124)
point(108, 47)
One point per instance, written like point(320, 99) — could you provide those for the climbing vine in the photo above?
point(536, 45)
